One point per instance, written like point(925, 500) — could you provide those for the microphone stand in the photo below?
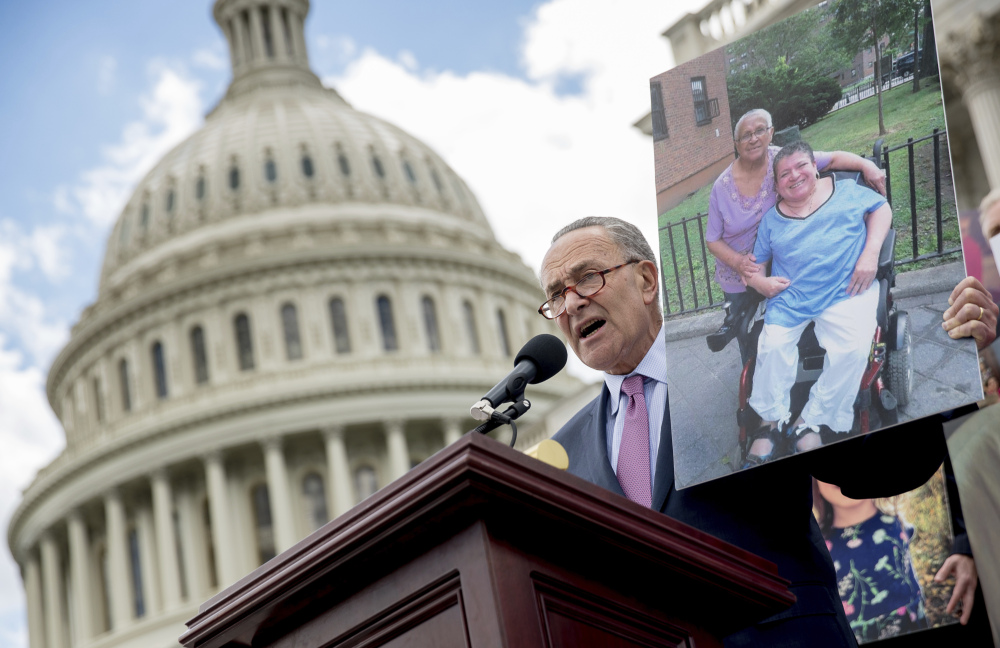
point(497, 419)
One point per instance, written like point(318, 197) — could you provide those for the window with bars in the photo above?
point(244, 344)
point(198, 355)
point(658, 114)
point(705, 109)
point(290, 327)
point(338, 318)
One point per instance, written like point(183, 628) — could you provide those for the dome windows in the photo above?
point(314, 495)
point(244, 344)
point(159, 370)
point(377, 165)
point(470, 326)
point(290, 327)
point(408, 170)
point(502, 333)
point(307, 164)
point(343, 162)
point(168, 203)
point(431, 324)
point(234, 175)
point(338, 319)
point(123, 380)
point(198, 356)
point(144, 216)
point(199, 185)
point(270, 168)
point(386, 323)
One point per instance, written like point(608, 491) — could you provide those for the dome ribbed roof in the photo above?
point(279, 140)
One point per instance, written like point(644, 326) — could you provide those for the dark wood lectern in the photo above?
point(482, 546)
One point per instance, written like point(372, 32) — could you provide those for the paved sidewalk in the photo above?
point(703, 385)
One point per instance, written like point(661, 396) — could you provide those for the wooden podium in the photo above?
point(482, 546)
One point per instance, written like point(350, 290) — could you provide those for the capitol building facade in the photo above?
point(297, 305)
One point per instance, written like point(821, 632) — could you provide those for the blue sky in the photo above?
point(531, 102)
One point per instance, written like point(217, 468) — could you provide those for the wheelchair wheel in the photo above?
point(899, 364)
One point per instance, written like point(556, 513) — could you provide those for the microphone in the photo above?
point(541, 358)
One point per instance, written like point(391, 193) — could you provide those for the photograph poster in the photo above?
point(804, 287)
point(886, 552)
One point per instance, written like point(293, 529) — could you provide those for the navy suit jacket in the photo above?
point(768, 510)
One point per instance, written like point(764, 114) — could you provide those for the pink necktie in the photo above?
point(633, 453)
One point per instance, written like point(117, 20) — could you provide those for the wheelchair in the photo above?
point(887, 382)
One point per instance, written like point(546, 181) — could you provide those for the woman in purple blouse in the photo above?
point(744, 193)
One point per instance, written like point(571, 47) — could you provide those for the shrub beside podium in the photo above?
point(482, 546)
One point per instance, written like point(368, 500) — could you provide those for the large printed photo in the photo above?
point(809, 239)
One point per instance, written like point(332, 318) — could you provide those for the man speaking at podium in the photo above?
point(600, 277)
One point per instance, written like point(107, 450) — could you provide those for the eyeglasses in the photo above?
point(588, 286)
point(759, 133)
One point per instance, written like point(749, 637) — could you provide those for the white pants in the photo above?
point(845, 330)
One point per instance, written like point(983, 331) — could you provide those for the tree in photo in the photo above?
point(786, 68)
point(860, 24)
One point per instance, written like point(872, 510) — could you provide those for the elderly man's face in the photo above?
point(611, 330)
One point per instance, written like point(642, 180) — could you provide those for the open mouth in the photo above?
point(591, 328)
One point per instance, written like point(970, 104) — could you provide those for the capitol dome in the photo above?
point(297, 304)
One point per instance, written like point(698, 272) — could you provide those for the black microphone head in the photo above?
point(547, 352)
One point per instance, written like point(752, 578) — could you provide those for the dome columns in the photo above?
point(119, 587)
point(399, 455)
point(163, 523)
point(338, 471)
point(52, 580)
point(80, 576)
point(222, 530)
point(279, 494)
point(34, 600)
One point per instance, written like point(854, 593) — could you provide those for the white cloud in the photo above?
point(171, 112)
point(106, 74)
point(31, 437)
point(537, 160)
point(408, 60)
point(210, 58)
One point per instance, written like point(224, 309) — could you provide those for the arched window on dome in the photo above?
point(159, 370)
point(263, 527)
point(234, 175)
point(170, 199)
point(338, 320)
point(431, 324)
point(135, 562)
point(377, 165)
point(198, 355)
point(365, 483)
point(244, 344)
point(408, 170)
point(270, 168)
point(342, 161)
point(471, 332)
point(307, 164)
point(502, 333)
point(200, 185)
point(290, 327)
point(314, 496)
point(387, 323)
point(436, 179)
point(123, 380)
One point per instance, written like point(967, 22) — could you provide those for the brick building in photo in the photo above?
point(691, 127)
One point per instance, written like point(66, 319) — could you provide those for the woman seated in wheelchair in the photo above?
point(822, 239)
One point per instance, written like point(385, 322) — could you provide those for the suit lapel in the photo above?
point(664, 463)
point(601, 472)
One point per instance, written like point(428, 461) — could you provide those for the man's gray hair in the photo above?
point(625, 235)
point(750, 114)
point(989, 200)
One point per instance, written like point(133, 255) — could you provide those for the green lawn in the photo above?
point(853, 128)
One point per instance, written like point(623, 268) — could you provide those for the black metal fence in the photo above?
point(918, 187)
point(865, 90)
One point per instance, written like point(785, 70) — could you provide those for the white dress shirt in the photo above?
point(654, 369)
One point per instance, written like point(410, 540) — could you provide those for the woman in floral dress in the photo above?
point(871, 553)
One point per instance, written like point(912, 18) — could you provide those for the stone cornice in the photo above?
point(266, 400)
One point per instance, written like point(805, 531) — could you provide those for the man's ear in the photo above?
point(649, 281)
